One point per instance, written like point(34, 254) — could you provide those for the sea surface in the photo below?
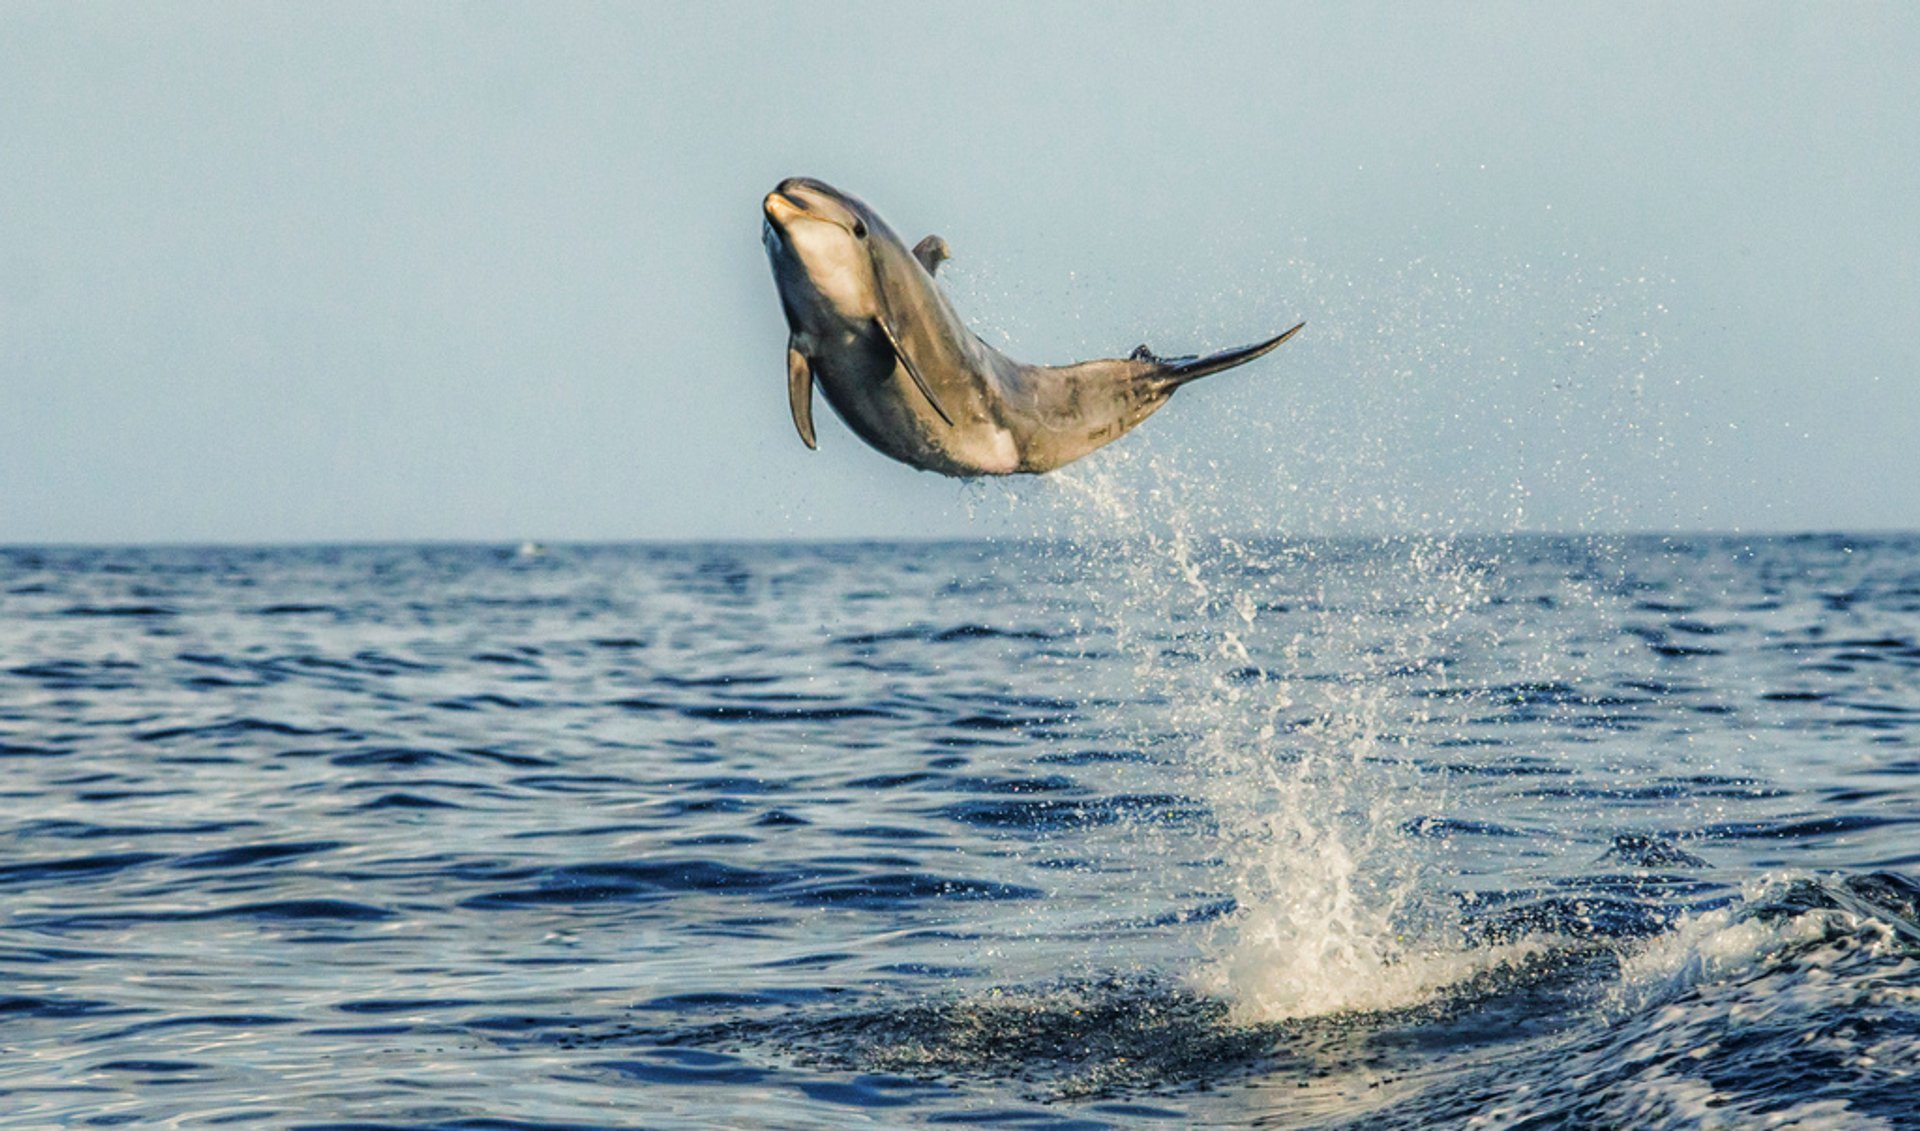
point(1173, 831)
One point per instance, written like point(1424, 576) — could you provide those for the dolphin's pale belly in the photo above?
point(879, 401)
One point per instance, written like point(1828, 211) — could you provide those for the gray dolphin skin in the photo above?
point(869, 325)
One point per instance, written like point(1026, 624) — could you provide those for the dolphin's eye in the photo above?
point(859, 229)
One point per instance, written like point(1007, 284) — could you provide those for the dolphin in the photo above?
point(869, 325)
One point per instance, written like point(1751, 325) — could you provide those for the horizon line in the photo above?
point(516, 542)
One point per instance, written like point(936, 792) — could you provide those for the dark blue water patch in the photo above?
point(138, 612)
point(1047, 814)
point(1024, 1118)
point(612, 883)
point(78, 675)
point(743, 786)
point(292, 911)
point(1666, 790)
point(61, 1006)
point(299, 910)
point(713, 840)
point(245, 729)
point(780, 819)
point(69, 869)
point(511, 758)
point(676, 807)
point(750, 713)
point(1807, 828)
point(149, 1067)
point(86, 830)
point(514, 1023)
point(686, 1066)
point(297, 609)
point(576, 783)
point(987, 632)
point(392, 1030)
point(1701, 628)
point(108, 795)
point(382, 1006)
point(926, 970)
point(488, 701)
point(728, 679)
point(716, 1001)
point(1512, 766)
point(620, 643)
point(1901, 710)
point(898, 891)
point(1474, 742)
point(255, 855)
point(472, 1124)
point(524, 658)
point(886, 832)
point(1137, 1111)
point(1211, 911)
point(404, 800)
point(1658, 643)
point(1442, 828)
point(1553, 693)
point(871, 1091)
point(808, 961)
point(1643, 851)
point(216, 1021)
point(922, 633)
point(1050, 783)
point(403, 757)
point(1094, 757)
point(894, 781)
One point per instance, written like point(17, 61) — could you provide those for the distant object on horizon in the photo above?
point(867, 321)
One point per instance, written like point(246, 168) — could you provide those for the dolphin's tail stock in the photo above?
point(1170, 373)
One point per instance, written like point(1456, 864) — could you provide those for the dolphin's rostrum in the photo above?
point(870, 326)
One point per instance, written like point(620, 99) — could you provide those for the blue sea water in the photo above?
point(1179, 831)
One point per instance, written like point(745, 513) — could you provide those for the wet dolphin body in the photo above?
point(870, 326)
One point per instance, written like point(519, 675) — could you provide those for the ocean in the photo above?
point(1174, 830)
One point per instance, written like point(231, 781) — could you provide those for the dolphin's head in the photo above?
point(818, 239)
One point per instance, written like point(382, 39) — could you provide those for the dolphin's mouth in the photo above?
point(779, 205)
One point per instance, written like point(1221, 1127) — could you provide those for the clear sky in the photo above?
point(326, 271)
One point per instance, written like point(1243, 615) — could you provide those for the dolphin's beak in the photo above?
point(780, 207)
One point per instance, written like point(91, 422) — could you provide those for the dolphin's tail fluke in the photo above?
point(1173, 372)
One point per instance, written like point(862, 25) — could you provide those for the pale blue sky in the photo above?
point(296, 272)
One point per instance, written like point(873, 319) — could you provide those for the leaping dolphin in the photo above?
point(868, 323)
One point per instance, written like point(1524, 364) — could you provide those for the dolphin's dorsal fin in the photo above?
point(932, 252)
point(800, 393)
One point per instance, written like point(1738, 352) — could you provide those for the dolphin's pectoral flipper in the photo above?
point(800, 394)
point(1172, 372)
point(913, 370)
point(932, 252)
